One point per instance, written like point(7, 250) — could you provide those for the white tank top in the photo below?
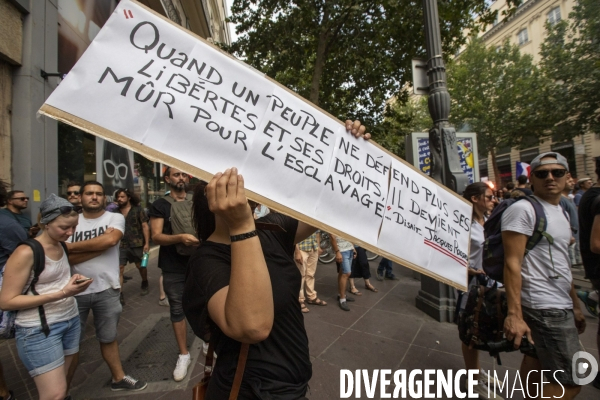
point(55, 276)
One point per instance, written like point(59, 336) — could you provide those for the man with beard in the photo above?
point(94, 252)
point(173, 264)
point(74, 193)
point(136, 240)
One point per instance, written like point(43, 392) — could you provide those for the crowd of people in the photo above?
point(234, 277)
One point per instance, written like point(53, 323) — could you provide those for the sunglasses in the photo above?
point(75, 192)
point(65, 210)
point(556, 173)
point(21, 198)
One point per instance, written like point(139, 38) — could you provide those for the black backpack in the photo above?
point(493, 249)
point(39, 264)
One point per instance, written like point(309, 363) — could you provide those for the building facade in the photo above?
point(526, 28)
point(41, 40)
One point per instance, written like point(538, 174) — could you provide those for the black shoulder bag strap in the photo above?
point(39, 263)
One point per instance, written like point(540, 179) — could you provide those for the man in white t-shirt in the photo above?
point(542, 303)
point(94, 251)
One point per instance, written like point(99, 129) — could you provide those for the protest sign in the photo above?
point(150, 86)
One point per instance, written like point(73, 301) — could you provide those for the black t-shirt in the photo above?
point(588, 209)
point(280, 365)
point(169, 260)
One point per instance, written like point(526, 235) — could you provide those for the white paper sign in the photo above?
point(153, 87)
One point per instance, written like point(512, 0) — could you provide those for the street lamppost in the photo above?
point(435, 298)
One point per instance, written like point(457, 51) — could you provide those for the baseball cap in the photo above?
point(559, 159)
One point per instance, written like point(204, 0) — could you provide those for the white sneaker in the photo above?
point(482, 390)
point(204, 348)
point(163, 302)
point(183, 362)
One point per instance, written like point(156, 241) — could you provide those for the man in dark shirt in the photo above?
point(136, 239)
point(11, 234)
point(16, 202)
point(522, 185)
point(173, 264)
point(589, 241)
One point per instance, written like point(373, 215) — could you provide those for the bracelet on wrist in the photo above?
point(243, 236)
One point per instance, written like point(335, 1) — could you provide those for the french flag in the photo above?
point(523, 169)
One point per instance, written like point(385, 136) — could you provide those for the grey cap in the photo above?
point(51, 208)
point(560, 159)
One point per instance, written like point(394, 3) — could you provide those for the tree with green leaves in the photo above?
point(346, 56)
point(499, 93)
point(571, 58)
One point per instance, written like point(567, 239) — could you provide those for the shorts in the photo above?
point(556, 342)
point(347, 257)
point(130, 254)
point(41, 354)
point(106, 308)
point(173, 284)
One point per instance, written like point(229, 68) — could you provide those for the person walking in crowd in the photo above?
point(47, 324)
point(94, 252)
point(344, 254)
point(11, 235)
point(542, 303)
point(385, 271)
point(242, 287)
point(172, 264)
point(74, 193)
point(481, 197)
point(306, 255)
point(361, 269)
point(15, 204)
point(136, 239)
point(522, 185)
point(583, 185)
point(589, 222)
point(569, 206)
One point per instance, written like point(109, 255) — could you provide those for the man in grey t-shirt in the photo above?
point(542, 303)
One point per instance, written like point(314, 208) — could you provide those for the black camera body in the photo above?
point(507, 346)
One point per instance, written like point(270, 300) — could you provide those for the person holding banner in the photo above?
point(242, 287)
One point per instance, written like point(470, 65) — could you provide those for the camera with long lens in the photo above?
point(506, 346)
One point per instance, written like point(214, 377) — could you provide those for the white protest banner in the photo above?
point(150, 86)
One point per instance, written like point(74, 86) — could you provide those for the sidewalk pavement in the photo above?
point(383, 330)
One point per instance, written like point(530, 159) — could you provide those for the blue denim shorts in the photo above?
point(556, 341)
point(106, 308)
point(41, 354)
point(347, 257)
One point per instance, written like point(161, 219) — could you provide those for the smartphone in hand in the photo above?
point(82, 280)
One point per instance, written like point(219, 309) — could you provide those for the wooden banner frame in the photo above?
point(156, 156)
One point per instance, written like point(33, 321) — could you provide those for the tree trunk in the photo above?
point(320, 60)
point(497, 177)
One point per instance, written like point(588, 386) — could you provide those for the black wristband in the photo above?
point(243, 236)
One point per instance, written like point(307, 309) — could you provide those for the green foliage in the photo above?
point(500, 94)
point(402, 116)
point(346, 56)
point(571, 58)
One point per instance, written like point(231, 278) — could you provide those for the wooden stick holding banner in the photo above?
point(151, 86)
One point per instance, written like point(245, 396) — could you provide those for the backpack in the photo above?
point(493, 249)
point(7, 318)
point(181, 222)
point(482, 321)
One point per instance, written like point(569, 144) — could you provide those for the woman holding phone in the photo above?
point(46, 348)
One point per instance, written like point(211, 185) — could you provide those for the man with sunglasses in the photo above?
point(74, 193)
point(16, 203)
point(542, 303)
point(172, 264)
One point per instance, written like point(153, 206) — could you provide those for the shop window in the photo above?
point(568, 151)
point(527, 156)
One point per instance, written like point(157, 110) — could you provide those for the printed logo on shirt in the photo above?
point(89, 234)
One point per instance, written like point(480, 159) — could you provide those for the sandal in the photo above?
point(354, 292)
point(303, 308)
point(316, 302)
point(371, 288)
